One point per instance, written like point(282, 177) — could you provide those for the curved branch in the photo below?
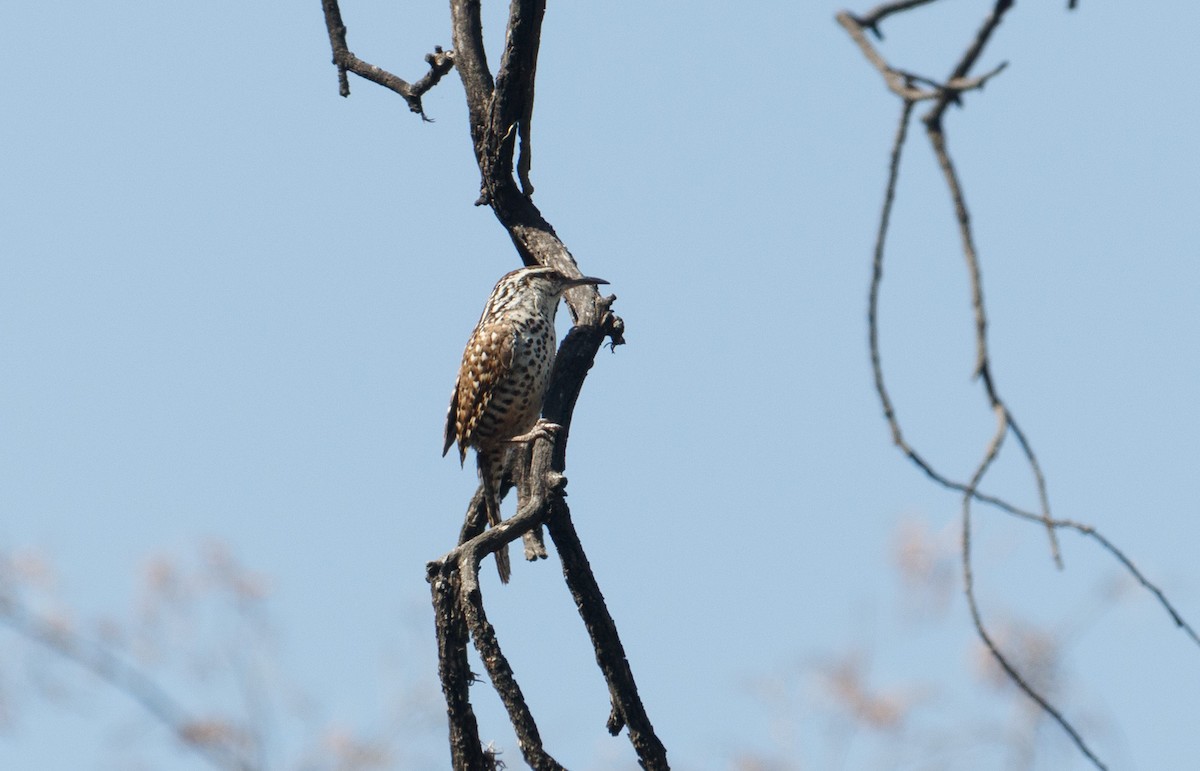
point(440, 62)
point(905, 85)
point(982, 360)
point(993, 448)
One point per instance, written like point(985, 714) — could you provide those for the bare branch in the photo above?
point(627, 709)
point(1040, 481)
point(466, 752)
point(440, 62)
point(513, 105)
point(493, 133)
point(993, 448)
point(880, 12)
point(528, 738)
point(898, 82)
point(901, 82)
point(905, 85)
point(472, 64)
point(500, 113)
point(956, 85)
point(933, 118)
point(885, 218)
point(982, 361)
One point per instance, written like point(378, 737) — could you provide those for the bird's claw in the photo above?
point(544, 429)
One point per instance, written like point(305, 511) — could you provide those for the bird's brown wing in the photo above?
point(486, 361)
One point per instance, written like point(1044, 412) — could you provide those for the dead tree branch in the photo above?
point(498, 668)
point(989, 456)
point(917, 459)
point(912, 89)
point(440, 62)
point(500, 112)
point(454, 671)
point(873, 17)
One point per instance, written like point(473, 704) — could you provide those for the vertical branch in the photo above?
point(466, 752)
point(471, 63)
point(576, 355)
point(513, 105)
point(337, 41)
point(983, 371)
point(627, 709)
point(913, 88)
point(975, 280)
point(500, 113)
point(495, 109)
point(993, 448)
point(471, 605)
point(885, 218)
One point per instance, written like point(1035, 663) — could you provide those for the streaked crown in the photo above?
point(537, 286)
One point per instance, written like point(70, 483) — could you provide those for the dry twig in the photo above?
point(912, 89)
point(440, 62)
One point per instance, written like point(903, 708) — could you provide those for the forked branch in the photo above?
point(912, 89)
point(440, 62)
point(500, 111)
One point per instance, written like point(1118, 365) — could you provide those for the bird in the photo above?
point(497, 398)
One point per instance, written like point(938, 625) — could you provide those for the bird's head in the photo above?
point(536, 284)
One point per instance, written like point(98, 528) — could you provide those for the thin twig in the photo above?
point(871, 19)
point(937, 139)
point(896, 81)
point(969, 57)
point(1040, 481)
point(956, 85)
point(885, 218)
point(993, 448)
point(901, 82)
point(904, 84)
point(925, 466)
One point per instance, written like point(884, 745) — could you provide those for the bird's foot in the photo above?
point(535, 545)
point(544, 429)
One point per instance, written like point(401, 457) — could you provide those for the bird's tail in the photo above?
point(491, 471)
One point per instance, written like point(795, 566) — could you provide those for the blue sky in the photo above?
point(232, 305)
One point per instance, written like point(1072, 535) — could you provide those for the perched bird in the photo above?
point(502, 381)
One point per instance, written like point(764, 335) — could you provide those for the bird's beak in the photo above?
point(585, 280)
